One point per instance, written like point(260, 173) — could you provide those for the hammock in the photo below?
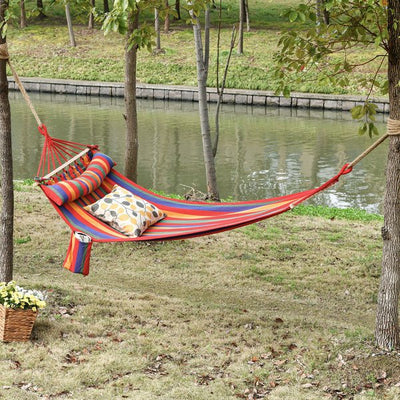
point(184, 219)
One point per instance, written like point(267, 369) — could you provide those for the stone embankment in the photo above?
point(188, 93)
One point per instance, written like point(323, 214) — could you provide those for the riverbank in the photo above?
point(190, 93)
point(280, 309)
point(96, 57)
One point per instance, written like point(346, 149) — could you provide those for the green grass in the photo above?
point(42, 50)
point(284, 308)
point(266, 309)
point(351, 214)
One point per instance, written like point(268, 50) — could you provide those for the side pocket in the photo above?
point(78, 254)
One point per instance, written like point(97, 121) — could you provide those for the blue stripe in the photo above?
point(159, 201)
point(80, 257)
point(84, 228)
point(59, 191)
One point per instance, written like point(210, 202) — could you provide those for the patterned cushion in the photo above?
point(84, 184)
point(125, 212)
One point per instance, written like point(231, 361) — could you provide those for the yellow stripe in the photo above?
point(95, 176)
point(178, 215)
point(107, 185)
point(67, 187)
point(83, 181)
point(68, 261)
point(265, 207)
point(105, 165)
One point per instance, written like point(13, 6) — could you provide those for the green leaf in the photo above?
point(357, 112)
point(372, 129)
point(302, 17)
point(329, 5)
point(293, 16)
point(362, 129)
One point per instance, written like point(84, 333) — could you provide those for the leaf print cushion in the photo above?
point(125, 212)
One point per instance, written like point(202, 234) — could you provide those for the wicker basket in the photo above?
point(16, 325)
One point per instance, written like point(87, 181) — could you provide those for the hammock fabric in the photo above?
point(185, 219)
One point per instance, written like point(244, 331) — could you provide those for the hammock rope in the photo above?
point(65, 160)
point(55, 151)
point(4, 55)
point(392, 129)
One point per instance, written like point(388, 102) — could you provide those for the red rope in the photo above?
point(55, 151)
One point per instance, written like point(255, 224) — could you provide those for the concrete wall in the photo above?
point(188, 93)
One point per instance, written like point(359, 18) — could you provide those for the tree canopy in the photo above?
point(329, 52)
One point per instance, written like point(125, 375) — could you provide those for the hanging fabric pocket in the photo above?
point(78, 254)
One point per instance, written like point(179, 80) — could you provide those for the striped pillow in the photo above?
point(89, 180)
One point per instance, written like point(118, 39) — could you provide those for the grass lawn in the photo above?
point(43, 50)
point(281, 310)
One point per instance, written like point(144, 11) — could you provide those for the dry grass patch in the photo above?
point(282, 309)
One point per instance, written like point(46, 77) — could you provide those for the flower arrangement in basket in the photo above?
point(18, 311)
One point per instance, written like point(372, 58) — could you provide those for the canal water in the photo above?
point(263, 152)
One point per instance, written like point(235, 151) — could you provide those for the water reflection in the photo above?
point(262, 152)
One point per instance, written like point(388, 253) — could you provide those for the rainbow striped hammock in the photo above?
point(185, 219)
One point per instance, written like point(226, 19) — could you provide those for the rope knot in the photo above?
point(43, 131)
point(393, 127)
point(4, 52)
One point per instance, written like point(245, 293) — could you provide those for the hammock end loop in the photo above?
point(43, 130)
point(347, 168)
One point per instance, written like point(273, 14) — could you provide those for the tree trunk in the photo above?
point(326, 15)
point(242, 17)
point(322, 13)
point(23, 15)
point(202, 57)
point(221, 92)
point(157, 29)
point(69, 23)
point(106, 7)
point(178, 9)
point(7, 194)
point(39, 5)
point(246, 2)
point(132, 144)
point(166, 22)
point(91, 15)
point(387, 325)
point(318, 6)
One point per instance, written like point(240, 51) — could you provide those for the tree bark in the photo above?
point(178, 9)
point(202, 57)
point(7, 193)
point(221, 92)
point(166, 22)
point(242, 17)
point(387, 325)
point(106, 7)
point(91, 15)
point(318, 6)
point(23, 15)
point(39, 5)
point(322, 13)
point(246, 2)
point(132, 143)
point(157, 29)
point(70, 28)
